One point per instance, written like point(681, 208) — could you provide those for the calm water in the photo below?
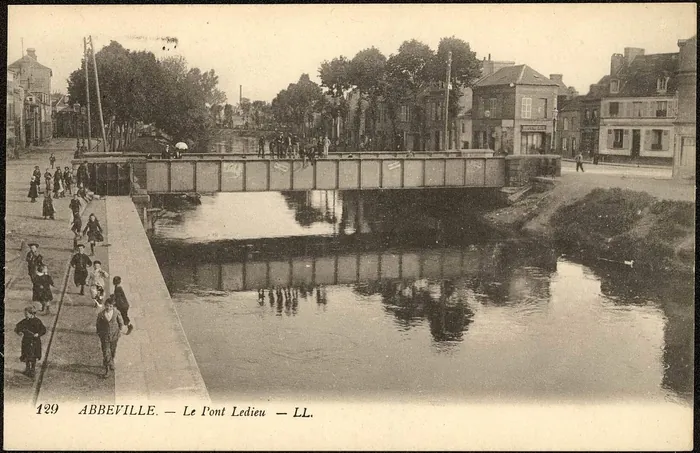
point(388, 296)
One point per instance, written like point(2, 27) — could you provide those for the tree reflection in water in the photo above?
point(448, 316)
point(286, 299)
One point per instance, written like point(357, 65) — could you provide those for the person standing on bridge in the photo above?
point(261, 146)
point(94, 232)
point(32, 329)
point(579, 162)
point(80, 262)
point(109, 325)
point(326, 145)
point(82, 176)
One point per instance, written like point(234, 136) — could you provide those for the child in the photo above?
point(68, 179)
point(94, 232)
point(48, 210)
point(31, 328)
point(41, 291)
point(52, 160)
point(96, 281)
point(121, 303)
point(75, 227)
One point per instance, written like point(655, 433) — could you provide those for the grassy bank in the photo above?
point(609, 224)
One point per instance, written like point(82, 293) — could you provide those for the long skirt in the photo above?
point(31, 348)
point(48, 210)
point(80, 276)
point(33, 191)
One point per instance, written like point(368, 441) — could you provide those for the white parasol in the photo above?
point(181, 145)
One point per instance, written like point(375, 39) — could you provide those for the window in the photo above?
point(614, 86)
point(405, 113)
point(465, 145)
point(573, 123)
point(564, 143)
point(566, 124)
point(493, 104)
point(614, 108)
point(657, 136)
point(573, 144)
point(662, 84)
point(661, 109)
point(526, 108)
point(595, 114)
point(587, 114)
point(617, 138)
point(637, 109)
point(463, 127)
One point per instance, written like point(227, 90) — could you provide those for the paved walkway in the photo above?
point(155, 362)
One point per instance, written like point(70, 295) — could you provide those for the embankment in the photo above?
point(611, 224)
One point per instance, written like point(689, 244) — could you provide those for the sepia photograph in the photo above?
point(350, 227)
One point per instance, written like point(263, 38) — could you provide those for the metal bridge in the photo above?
point(209, 173)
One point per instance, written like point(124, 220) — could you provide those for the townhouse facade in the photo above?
point(14, 113)
point(638, 109)
point(35, 79)
point(684, 127)
point(513, 111)
point(569, 127)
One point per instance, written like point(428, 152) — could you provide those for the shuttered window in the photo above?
point(526, 108)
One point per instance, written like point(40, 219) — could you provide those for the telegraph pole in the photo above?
point(99, 100)
point(87, 91)
point(446, 144)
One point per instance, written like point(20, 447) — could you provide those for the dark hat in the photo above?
point(33, 244)
point(81, 245)
point(110, 300)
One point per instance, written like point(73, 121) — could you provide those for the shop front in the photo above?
point(534, 139)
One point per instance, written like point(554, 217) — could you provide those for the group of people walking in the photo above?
point(291, 146)
point(113, 311)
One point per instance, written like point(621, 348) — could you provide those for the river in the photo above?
point(404, 295)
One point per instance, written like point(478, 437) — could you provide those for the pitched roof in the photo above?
point(517, 75)
point(640, 76)
point(27, 60)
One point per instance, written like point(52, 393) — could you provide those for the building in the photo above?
point(684, 126)
point(14, 126)
point(512, 111)
point(35, 79)
point(569, 127)
point(638, 108)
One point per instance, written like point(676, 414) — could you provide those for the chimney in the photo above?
point(631, 53)
point(616, 62)
point(31, 52)
point(489, 57)
point(557, 78)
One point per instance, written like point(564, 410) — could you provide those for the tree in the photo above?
point(228, 115)
point(216, 111)
point(334, 77)
point(294, 106)
point(465, 70)
point(367, 72)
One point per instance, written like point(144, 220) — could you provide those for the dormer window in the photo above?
point(614, 86)
point(662, 84)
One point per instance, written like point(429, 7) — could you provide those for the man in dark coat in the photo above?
point(32, 329)
point(121, 303)
point(75, 206)
point(109, 325)
point(82, 177)
point(81, 262)
point(34, 260)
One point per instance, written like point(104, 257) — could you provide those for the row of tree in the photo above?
point(136, 87)
point(395, 81)
point(256, 114)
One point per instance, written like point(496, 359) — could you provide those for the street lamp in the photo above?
point(555, 115)
point(76, 115)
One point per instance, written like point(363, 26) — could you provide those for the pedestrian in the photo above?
point(82, 176)
point(94, 232)
point(32, 329)
point(57, 183)
point(76, 226)
point(326, 145)
point(48, 209)
point(579, 162)
point(295, 146)
point(68, 179)
point(109, 325)
point(75, 205)
point(34, 260)
point(41, 289)
point(34, 184)
point(52, 160)
point(80, 262)
point(96, 282)
point(48, 178)
point(261, 146)
point(121, 303)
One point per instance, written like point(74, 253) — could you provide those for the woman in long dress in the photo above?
point(41, 291)
point(31, 328)
point(48, 210)
point(94, 232)
point(34, 188)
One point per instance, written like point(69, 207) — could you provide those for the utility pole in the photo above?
point(99, 100)
point(87, 91)
point(446, 145)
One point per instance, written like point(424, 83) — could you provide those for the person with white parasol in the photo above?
point(179, 147)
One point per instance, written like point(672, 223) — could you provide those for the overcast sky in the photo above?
point(266, 47)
